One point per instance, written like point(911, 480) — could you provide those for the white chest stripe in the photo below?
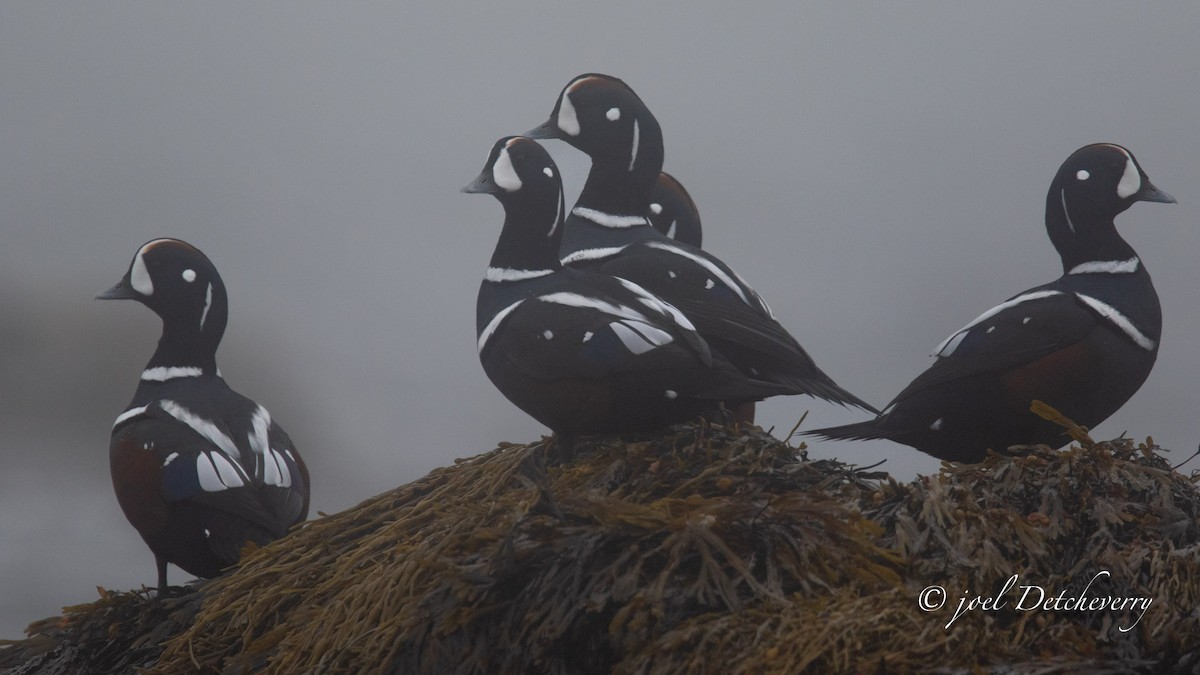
point(1119, 320)
point(608, 219)
point(591, 254)
point(703, 262)
point(1107, 267)
point(502, 274)
point(132, 412)
point(947, 346)
point(163, 373)
point(201, 426)
point(492, 325)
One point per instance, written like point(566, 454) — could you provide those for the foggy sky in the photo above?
point(877, 171)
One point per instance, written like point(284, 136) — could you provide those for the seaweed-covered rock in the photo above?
point(709, 549)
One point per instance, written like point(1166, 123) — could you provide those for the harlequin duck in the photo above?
point(199, 470)
point(673, 212)
point(608, 232)
point(579, 351)
point(1083, 343)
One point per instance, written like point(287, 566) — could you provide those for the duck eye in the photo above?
point(189, 275)
point(613, 114)
point(1082, 174)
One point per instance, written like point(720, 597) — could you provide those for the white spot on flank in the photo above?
point(947, 346)
point(549, 172)
point(656, 208)
point(170, 458)
point(991, 328)
point(587, 335)
point(608, 219)
point(502, 274)
point(163, 373)
point(548, 334)
point(1082, 174)
point(585, 302)
point(613, 114)
point(1024, 321)
point(671, 274)
point(1131, 180)
point(937, 424)
point(132, 412)
point(139, 276)
point(672, 394)
point(1107, 267)
point(206, 429)
point(189, 275)
point(709, 283)
point(568, 121)
point(495, 323)
point(504, 174)
point(591, 254)
point(703, 262)
point(1120, 320)
point(207, 305)
point(634, 152)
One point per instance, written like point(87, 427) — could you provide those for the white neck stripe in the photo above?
point(502, 274)
point(607, 219)
point(1062, 195)
point(1106, 267)
point(591, 254)
point(207, 305)
point(633, 153)
point(164, 373)
point(1120, 320)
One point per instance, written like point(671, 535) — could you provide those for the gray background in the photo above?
point(878, 171)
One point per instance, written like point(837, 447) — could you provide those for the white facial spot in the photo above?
point(709, 283)
point(1131, 180)
point(548, 334)
point(568, 121)
point(937, 424)
point(139, 276)
point(549, 172)
point(672, 394)
point(613, 114)
point(504, 174)
point(189, 275)
point(1082, 174)
point(656, 208)
point(587, 335)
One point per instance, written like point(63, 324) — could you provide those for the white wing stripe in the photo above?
point(703, 262)
point(945, 348)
